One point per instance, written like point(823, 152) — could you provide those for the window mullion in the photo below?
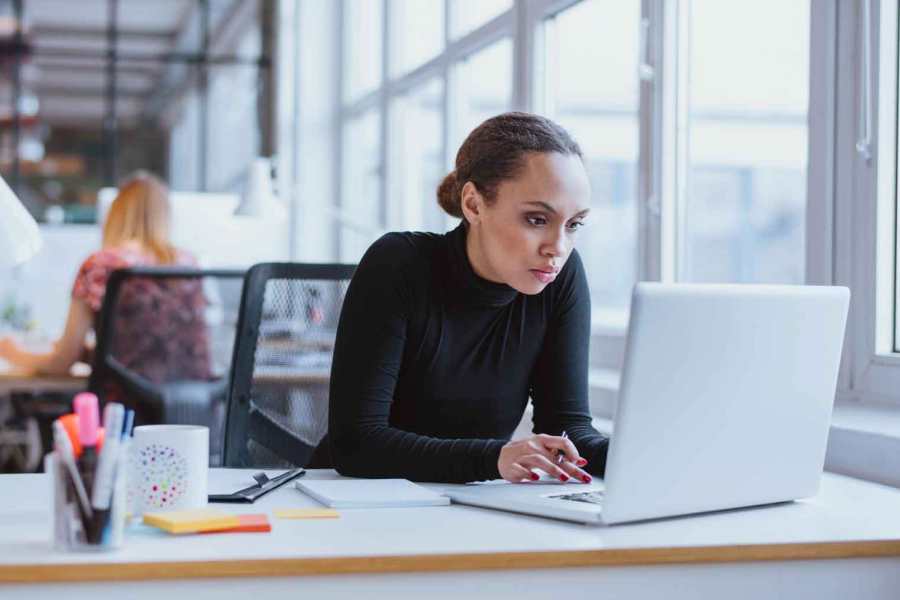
point(649, 154)
point(387, 211)
point(524, 54)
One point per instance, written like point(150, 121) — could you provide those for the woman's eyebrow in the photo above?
point(552, 210)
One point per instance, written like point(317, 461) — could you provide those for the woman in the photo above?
point(136, 233)
point(443, 338)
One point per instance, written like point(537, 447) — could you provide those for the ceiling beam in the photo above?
point(99, 33)
point(99, 67)
point(87, 92)
point(146, 57)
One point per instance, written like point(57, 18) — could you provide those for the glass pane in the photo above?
point(747, 137)
point(360, 211)
point(416, 133)
point(363, 24)
point(417, 33)
point(469, 15)
point(492, 69)
point(232, 115)
point(601, 112)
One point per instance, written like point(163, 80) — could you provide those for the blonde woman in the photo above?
point(136, 233)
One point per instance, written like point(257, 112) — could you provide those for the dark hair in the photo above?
point(495, 152)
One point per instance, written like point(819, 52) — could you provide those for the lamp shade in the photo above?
point(20, 238)
point(258, 199)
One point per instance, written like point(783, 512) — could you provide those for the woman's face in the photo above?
point(525, 237)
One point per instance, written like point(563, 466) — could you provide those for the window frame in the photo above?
point(865, 206)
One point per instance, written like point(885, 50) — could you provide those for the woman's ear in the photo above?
point(471, 202)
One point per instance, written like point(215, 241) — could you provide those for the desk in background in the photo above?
point(21, 447)
point(14, 379)
point(844, 543)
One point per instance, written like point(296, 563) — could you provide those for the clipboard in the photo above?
point(263, 486)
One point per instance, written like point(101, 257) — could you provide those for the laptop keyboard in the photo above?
point(591, 497)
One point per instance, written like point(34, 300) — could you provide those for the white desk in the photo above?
point(845, 543)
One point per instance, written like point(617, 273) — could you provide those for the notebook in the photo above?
point(370, 493)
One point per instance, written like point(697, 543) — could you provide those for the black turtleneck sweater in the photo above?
point(433, 365)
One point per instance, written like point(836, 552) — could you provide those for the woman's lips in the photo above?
point(543, 276)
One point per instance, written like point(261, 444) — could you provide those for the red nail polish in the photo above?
point(581, 462)
point(564, 477)
point(586, 479)
point(535, 476)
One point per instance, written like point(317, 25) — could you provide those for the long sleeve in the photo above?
point(559, 384)
point(367, 363)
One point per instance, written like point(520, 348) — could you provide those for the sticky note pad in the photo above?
point(248, 524)
point(192, 521)
point(306, 513)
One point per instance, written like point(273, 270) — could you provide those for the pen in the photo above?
point(113, 416)
point(66, 456)
point(560, 455)
point(129, 424)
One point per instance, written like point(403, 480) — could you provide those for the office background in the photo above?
point(726, 141)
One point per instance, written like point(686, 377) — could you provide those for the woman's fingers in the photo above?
point(538, 461)
point(556, 443)
point(520, 473)
point(550, 448)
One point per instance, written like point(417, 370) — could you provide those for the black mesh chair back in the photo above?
point(278, 402)
point(165, 339)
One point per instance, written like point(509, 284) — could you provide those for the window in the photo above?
point(747, 141)
point(360, 210)
point(601, 112)
point(466, 15)
point(692, 122)
point(417, 33)
point(484, 82)
point(363, 23)
point(417, 153)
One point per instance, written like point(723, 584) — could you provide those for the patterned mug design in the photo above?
point(160, 476)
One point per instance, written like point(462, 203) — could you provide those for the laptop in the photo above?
point(725, 401)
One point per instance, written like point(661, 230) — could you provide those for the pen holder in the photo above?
point(78, 526)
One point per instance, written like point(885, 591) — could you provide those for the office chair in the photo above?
point(278, 399)
point(164, 342)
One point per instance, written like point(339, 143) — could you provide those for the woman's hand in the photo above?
point(520, 459)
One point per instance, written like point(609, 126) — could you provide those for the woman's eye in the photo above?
point(576, 225)
point(536, 221)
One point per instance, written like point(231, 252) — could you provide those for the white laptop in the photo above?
point(725, 401)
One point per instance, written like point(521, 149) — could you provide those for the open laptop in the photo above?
point(725, 401)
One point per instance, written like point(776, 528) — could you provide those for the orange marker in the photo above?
point(70, 424)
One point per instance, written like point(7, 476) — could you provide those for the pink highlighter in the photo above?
point(88, 411)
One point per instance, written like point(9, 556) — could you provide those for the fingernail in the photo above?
point(581, 462)
point(586, 479)
point(563, 477)
point(535, 476)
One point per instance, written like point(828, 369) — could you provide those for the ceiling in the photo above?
point(68, 67)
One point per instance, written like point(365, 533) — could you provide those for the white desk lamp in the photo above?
point(20, 238)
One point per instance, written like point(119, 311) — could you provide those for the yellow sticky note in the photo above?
point(191, 521)
point(306, 513)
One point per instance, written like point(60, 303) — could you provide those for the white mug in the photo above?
point(169, 468)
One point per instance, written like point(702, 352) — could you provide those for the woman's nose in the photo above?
point(555, 246)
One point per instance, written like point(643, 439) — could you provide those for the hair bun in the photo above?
point(448, 196)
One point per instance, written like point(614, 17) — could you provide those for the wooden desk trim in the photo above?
point(289, 567)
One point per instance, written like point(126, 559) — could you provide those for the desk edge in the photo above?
point(288, 567)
